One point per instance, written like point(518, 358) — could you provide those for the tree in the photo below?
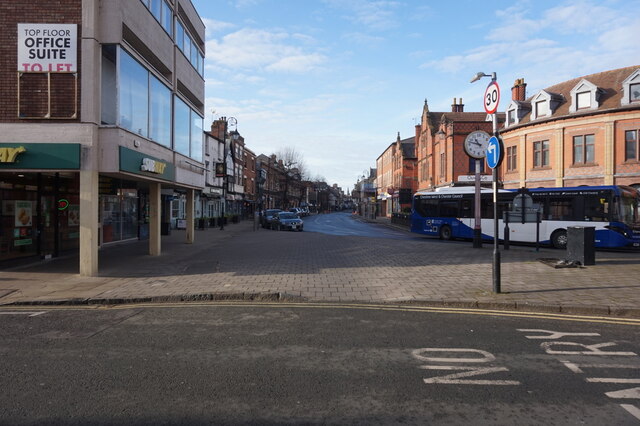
point(294, 171)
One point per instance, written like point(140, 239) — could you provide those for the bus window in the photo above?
point(486, 208)
point(596, 209)
point(466, 209)
point(427, 207)
point(449, 209)
point(560, 209)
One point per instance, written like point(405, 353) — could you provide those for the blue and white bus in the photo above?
point(613, 210)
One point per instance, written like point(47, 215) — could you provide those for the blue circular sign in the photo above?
point(494, 152)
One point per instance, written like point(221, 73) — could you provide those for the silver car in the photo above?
point(288, 221)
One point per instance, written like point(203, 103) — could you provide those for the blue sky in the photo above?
point(338, 79)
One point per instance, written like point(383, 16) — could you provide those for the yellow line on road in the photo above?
point(396, 308)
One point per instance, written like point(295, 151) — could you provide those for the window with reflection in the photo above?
point(181, 129)
point(197, 135)
point(134, 95)
point(160, 113)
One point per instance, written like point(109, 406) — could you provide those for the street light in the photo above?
point(233, 122)
point(494, 173)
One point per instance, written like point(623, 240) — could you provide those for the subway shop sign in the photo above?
point(40, 156)
point(47, 47)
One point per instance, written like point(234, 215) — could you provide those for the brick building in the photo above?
point(441, 160)
point(101, 114)
point(584, 131)
point(398, 181)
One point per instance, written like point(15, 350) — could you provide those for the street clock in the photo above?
point(475, 144)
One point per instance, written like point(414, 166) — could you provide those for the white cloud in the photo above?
point(363, 39)
point(261, 49)
point(212, 26)
point(374, 15)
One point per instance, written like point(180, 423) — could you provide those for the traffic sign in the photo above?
point(492, 97)
point(494, 152)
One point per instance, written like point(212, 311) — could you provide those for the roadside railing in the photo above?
point(403, 219)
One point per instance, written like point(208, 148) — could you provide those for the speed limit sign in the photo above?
point(492, 97)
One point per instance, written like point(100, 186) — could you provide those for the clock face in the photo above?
point(475, 145)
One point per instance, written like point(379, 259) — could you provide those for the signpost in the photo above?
point(492, 97)
point(495, 154)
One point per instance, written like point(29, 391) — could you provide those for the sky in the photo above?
point(336, 80)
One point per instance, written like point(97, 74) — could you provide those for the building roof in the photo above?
point(408, 147)
point(609, 84)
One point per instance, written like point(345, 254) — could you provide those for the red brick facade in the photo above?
point(34, 88)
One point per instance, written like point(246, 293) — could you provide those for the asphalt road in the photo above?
point(341, 223)
point(313, 364)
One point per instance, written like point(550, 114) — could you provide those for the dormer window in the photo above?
point(515, 111)
point(584, 96)
point(542, 108)
point(583, 100)
point(631, 88)
point(544, 104)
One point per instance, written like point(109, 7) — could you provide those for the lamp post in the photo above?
point(233, 122)
point(491, 100)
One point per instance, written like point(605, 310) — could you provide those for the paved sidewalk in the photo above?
point(242, 264)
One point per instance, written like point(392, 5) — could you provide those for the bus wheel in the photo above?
point(445, 233)
point(559, 239)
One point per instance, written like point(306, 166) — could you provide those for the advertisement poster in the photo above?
point(47, 47)
point(23, 213)
point(73, 212)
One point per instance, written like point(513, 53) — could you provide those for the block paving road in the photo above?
point(243, 263)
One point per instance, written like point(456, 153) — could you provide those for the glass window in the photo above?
point(156, 8)
point(179, 35)
point(181, 133)
point(542, 108)
point(541, 154)
point(512, 158)
point(449, 209)
point(631, 144)
point(426, 207)
point(160, 113)
point(194, 55)
point(634, 90)
point(578, 149)
point(583, 100)
point(186, 47)
point(146, 2)
point(590, 148)
point(166, 18)
point(511, 116)
point(109, 87)
point(134, 95)
point(201, 62)
point(196, 136)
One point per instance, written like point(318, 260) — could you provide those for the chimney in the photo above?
point(217, 128)
point(519, 90)
point(457, 107)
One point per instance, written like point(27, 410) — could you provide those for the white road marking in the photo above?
point(633, 393)
point(612, 380)
point(454, 379)
point(632, 409)
point(592, 349)
point(31, 314)
point(578, 368)
point(552, 335)
point(487, 357)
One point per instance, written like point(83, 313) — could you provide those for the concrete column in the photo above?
point(559, 157)
point(155, 214)
point(609, 153)
point(190, 216)
point(89, 201)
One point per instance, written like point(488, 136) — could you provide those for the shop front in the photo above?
point(40, 201)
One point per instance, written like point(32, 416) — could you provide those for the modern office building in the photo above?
point(101, 123)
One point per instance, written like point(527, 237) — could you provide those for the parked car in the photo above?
point(296, 210)
point(267, 217)
point(288, 221)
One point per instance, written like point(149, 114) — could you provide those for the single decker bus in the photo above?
point(613, 211)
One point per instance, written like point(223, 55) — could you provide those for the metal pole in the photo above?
point(496, 247)
point(224, 176)
point(477, 227)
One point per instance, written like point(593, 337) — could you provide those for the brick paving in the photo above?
point(240, 263)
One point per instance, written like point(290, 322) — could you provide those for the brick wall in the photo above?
point(34, 86)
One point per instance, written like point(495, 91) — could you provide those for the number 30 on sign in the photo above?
point(492, 98)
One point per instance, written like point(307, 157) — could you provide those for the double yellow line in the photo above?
point(376, 307)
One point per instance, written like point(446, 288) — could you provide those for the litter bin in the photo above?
point(581, 244)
